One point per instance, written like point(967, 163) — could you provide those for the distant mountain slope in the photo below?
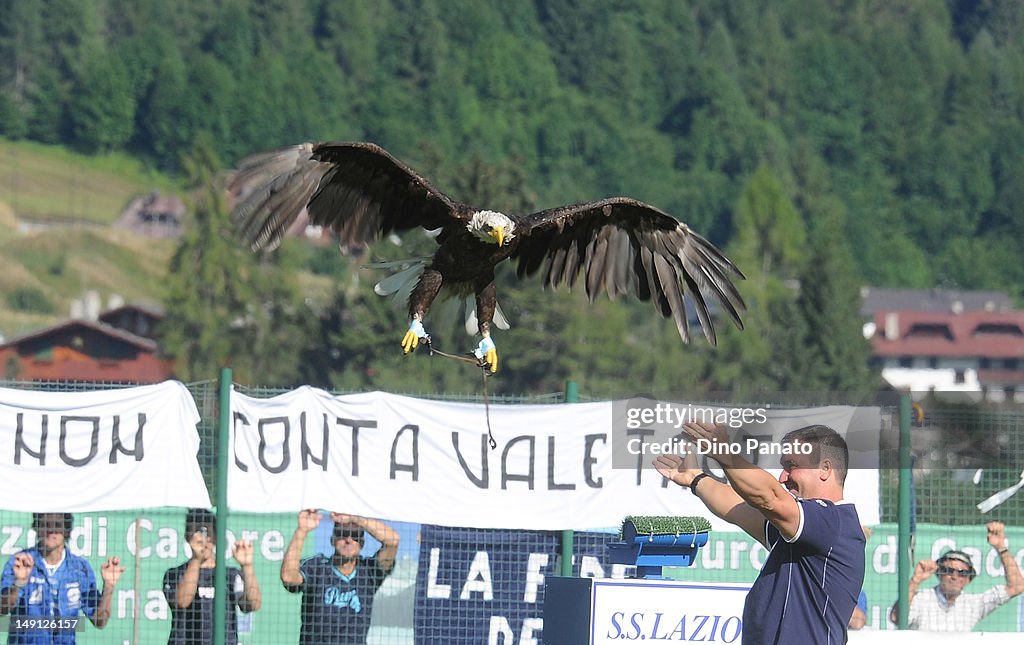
point(50, 183)
point(56, 239)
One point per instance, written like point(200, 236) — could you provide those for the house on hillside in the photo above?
point(948, 351)
point(154, 215)
point(117, 347)
point(139, 319)
point(875, 299)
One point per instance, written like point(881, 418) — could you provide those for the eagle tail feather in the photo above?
point(405, 274)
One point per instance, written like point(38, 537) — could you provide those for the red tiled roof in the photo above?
point(923, 333)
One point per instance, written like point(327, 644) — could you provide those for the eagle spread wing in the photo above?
point(357, 189)
point(623, 245)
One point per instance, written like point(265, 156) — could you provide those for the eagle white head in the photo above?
point(492, 227)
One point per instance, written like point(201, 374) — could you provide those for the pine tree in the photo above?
point(207, 302)
point(835, 353)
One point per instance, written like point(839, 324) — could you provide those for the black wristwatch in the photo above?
point(695, 480)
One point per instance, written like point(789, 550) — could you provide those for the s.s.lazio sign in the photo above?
point(582, 611)
point(665, 610)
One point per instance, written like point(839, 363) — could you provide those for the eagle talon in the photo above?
point(487, 354)
point(412, 337)
point(361, 191)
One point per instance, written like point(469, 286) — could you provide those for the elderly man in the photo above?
point(945, 607)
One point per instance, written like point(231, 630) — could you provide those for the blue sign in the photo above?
point(477, 586)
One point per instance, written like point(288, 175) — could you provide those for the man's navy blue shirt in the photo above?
point(809, 585)
point(337, 609)
point(194, 624)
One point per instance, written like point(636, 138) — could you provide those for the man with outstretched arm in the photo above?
point(338, 590)
point(808, 586)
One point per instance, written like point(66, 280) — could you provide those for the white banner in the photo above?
point(405, 459)
point(102, 450)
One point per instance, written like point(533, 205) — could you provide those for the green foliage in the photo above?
point(897, 123)
point(829, 343)
point(102, 109)
point(29, 299)
point(224, 307)
point(770, 234)
point(206, 302)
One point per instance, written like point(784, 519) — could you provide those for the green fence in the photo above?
point(960, 455)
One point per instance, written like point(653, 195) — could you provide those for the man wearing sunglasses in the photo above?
point(338, 590)
point(945, 607)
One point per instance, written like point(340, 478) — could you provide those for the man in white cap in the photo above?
point(945, 607)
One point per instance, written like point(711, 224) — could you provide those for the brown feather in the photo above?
point(361, 192)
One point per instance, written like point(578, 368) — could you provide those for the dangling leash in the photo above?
point(484, 370)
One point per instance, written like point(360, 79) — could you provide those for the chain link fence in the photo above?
point(962, 454)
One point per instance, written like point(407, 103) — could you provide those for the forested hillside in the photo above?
point(835, 143)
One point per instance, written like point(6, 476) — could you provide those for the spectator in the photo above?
point(338, 591)
point(47, 581)
point(860, 613)
point(189, 587)
point(945, 607)
point(807, 589)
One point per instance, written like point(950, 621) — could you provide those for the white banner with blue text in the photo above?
point(580, 465)
point(100, 450)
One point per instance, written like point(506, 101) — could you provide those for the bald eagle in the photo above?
point(619, 245)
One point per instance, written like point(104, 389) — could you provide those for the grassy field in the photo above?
point(69, 247)
point(40, 182)
point(62, 263)
point(77, 197)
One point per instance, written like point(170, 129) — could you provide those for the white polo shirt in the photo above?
point(931, 613)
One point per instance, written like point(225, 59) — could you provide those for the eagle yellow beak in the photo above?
point(499, 234)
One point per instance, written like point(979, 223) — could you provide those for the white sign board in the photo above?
point(666, 610)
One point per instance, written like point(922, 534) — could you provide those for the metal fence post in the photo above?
point(572, 395)
point(220, 574)
point(904, 567)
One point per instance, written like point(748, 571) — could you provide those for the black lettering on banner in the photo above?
point(115, 441)
point(93, 442)
point(485, 472)
point(307, 454)
point(239, 418)
point(356, 425)
point(640, 457)
point(551, 468)
point(285, 454)
point(19, 440)
point(414, 467)
point(589, 459)
point(506, 477)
